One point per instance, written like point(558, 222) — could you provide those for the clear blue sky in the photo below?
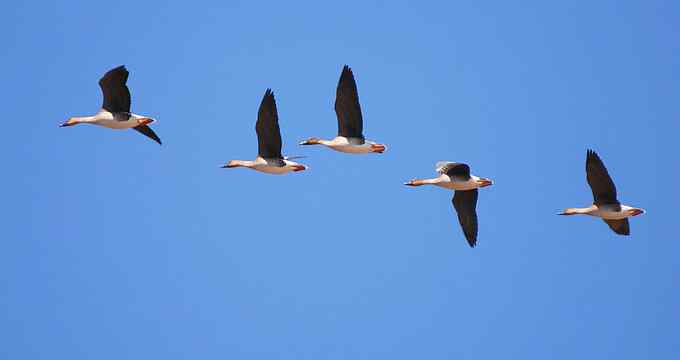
point(117, 248)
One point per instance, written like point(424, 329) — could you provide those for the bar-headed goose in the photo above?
point(350, 137)
point(605, 204)
point(456, 176)
point(269, 159)
point(115, 112)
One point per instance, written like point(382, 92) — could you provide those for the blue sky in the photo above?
point(116, 248)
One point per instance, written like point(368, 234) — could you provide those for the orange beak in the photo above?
point(68, 122)
point(297, 168)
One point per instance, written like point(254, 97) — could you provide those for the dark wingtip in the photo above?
point(119, 68)
point(347, 70)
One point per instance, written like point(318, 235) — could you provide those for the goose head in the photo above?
point(311, 141)
point(70, 122)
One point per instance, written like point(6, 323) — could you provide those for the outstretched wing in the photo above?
point(620, 227)
point(465, 203)
point(604, 190)
point(456, 171)
point(267, 128)
point(347, 108)
point(115, 91)
point(148, 132)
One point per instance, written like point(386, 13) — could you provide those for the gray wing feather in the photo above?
point(456, 171)
point(604, 190)
point(267, 128)
point(148, 132)
point(347, 108)
point(465, 203)
point(620, 227)
point(115, 91)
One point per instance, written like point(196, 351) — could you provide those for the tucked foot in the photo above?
point(378, 148)
point(144, 121)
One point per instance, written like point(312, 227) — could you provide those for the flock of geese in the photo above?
point(115, 114)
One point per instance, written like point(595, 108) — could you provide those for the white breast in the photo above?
point(261, 165)
point(470, 184)
point(106, 119)
point(610, 214)
point(341, 144)
point(276, 170)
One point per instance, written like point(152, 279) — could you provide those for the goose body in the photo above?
point(456, 176)
point(606, 212)
point(605, 203)
point(350, 137)
point(269, 159)
point(268, 166)
point(351, 145)
point(118, 121)
point(115, 112)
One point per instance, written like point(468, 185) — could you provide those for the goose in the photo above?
point(115, 112)
point(269, 159)
point(605, 204)
point(456, 176)
point(350, 137)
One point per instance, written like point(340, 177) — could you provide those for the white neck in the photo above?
point(434, 181)
point(244, 163)
point(84, 119)
point(577, 211)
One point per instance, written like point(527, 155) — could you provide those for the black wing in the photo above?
point(604, 190)
point(465, 203)
point(116, 93)
point(148, 132)
point(456, 171)
point(267, 128)
point(347, 108)
point(620, 227)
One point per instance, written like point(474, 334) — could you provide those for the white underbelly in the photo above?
point(276, 170)
point(111, 122)
point(609, 215)
point(457, 185)
point(119, 125)
point(352, 149)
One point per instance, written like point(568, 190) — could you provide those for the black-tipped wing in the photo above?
point(148, 132)
point(465, 203)
point(115, 91)
point(456, 171)
point(604, 190)
point(620, 227)
point(347, 109)
point(267, 128)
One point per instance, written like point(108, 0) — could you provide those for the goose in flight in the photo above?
point(115, 112)
point(605, 204)
point(350, 137)
point(269, 159)
point(456, 176)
